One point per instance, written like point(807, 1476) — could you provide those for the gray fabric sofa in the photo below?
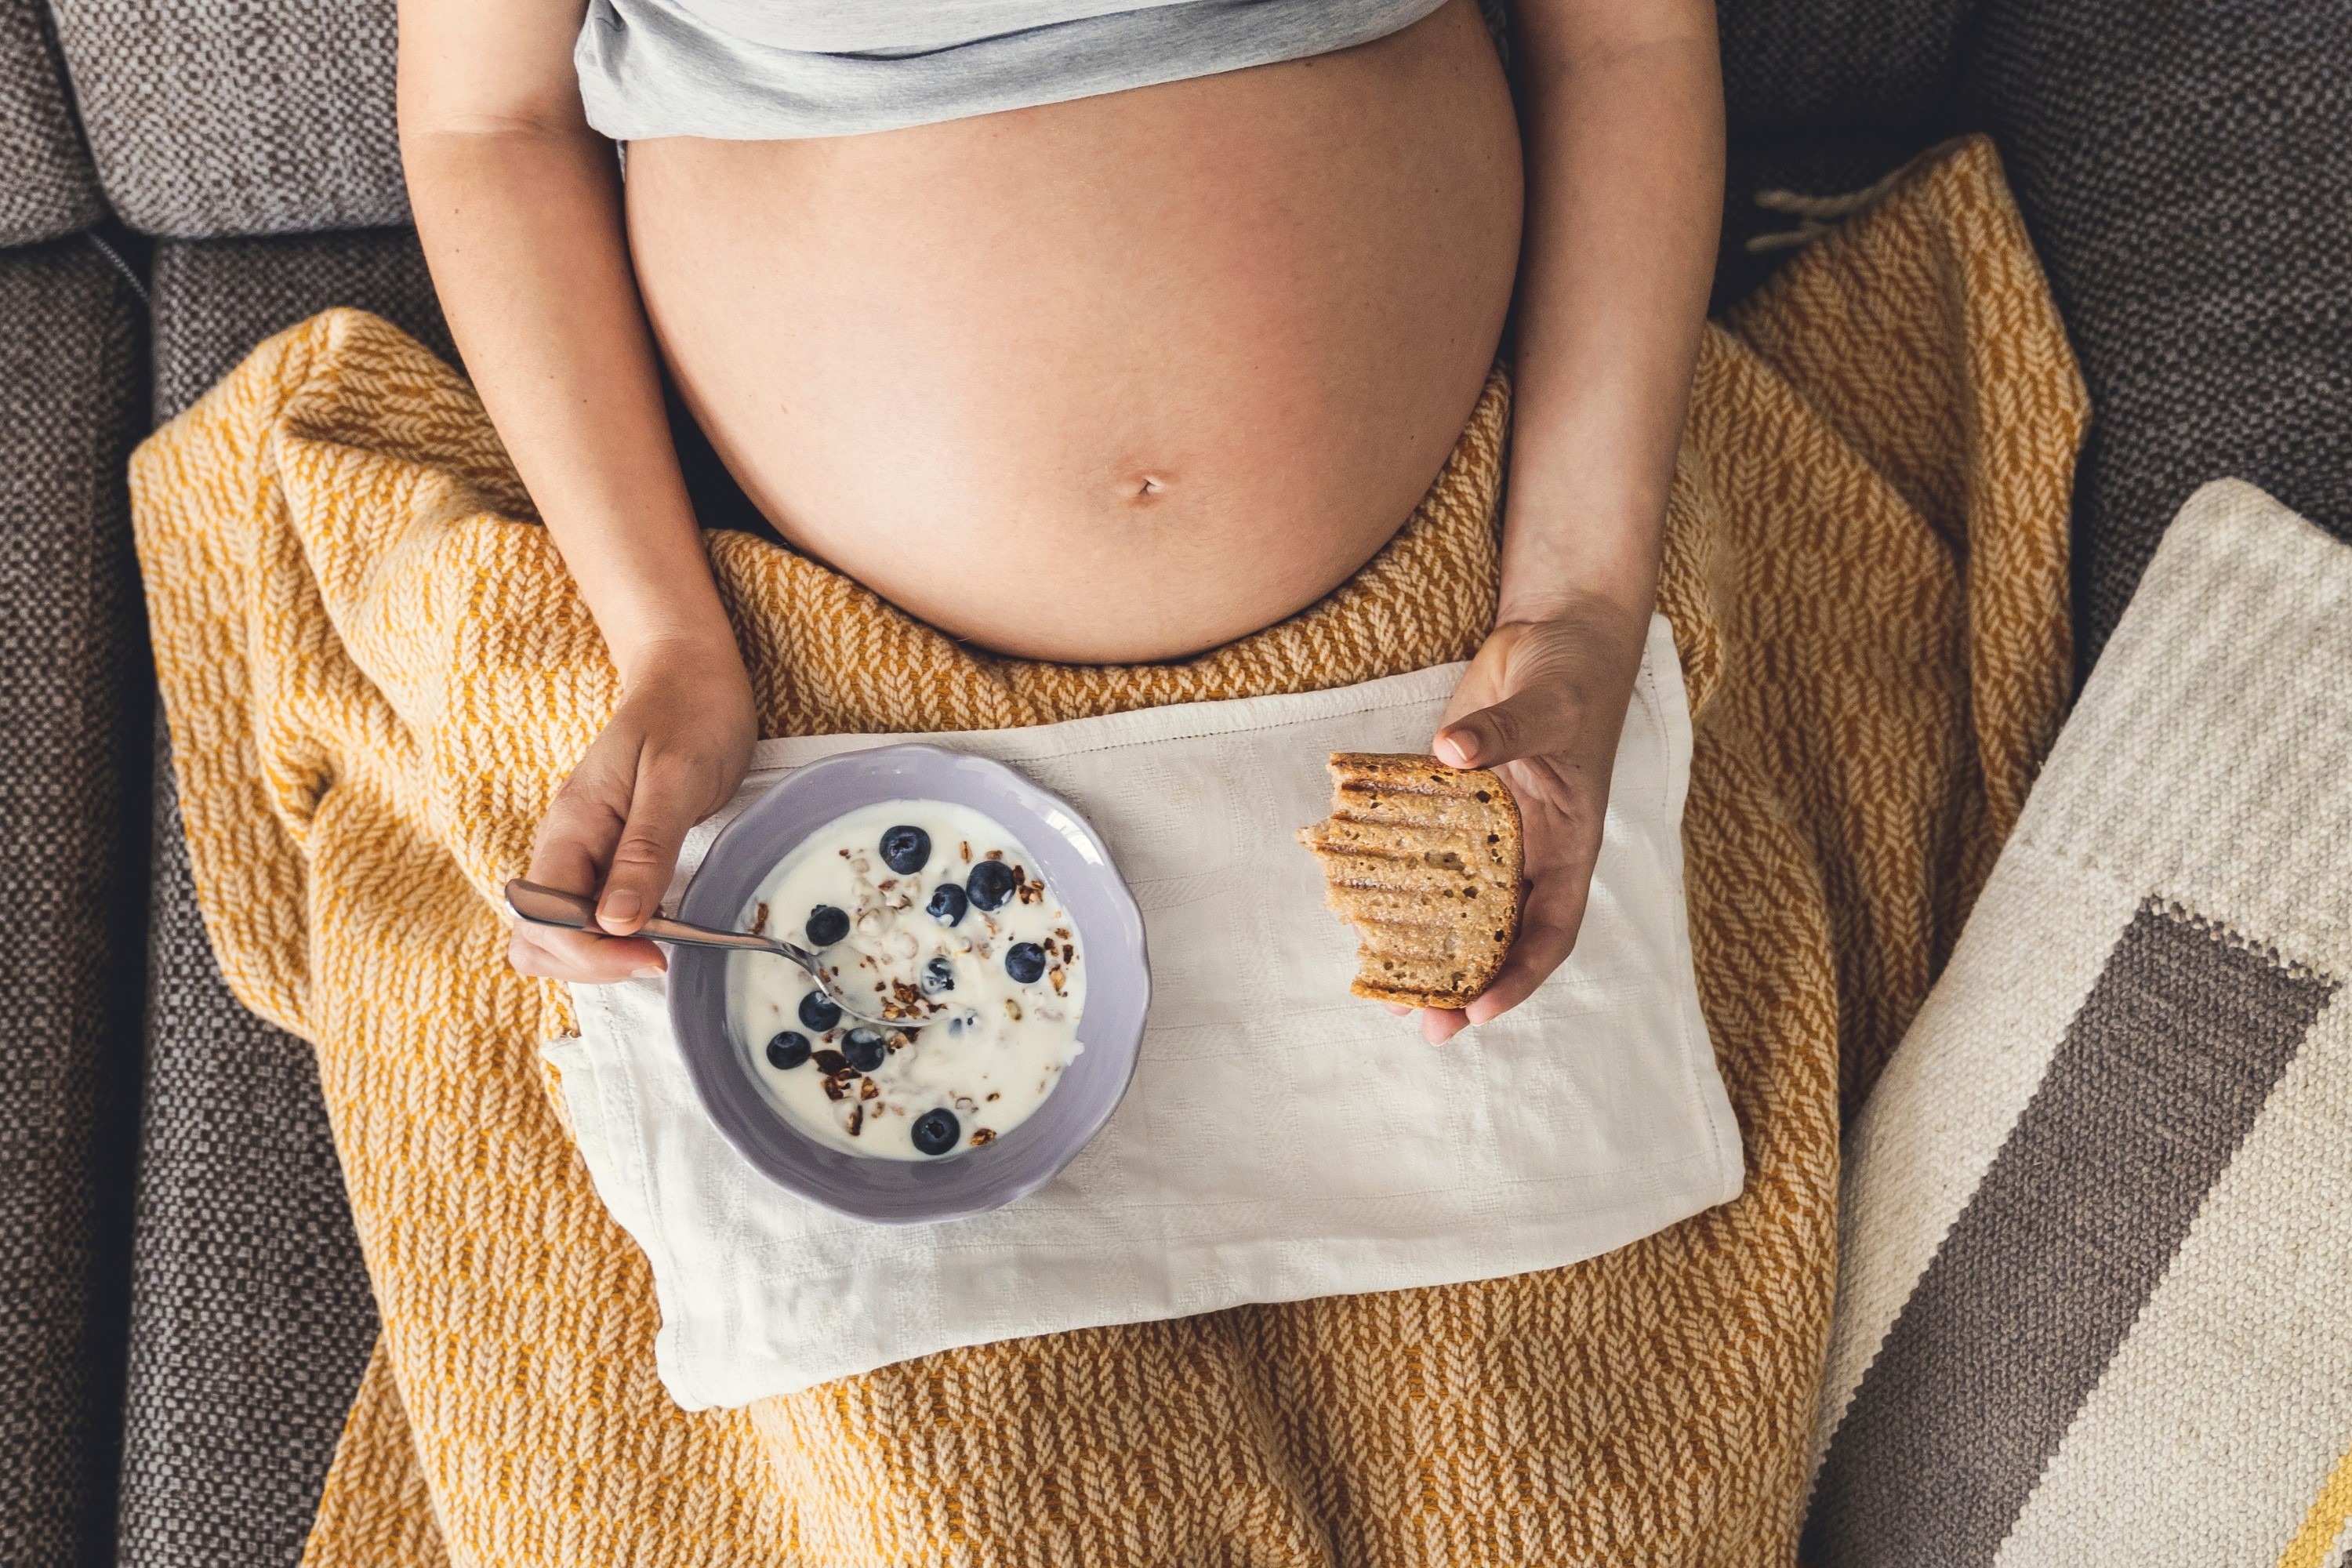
point(183, 1312)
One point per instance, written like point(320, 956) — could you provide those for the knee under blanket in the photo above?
point(377, 672)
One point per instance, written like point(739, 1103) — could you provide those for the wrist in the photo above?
point(1586, 558)
point(701, 654)
point(1618, 613)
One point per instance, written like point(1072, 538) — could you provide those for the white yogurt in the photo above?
point(986, 1049)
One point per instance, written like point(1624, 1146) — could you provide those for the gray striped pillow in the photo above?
point(2096, 1238)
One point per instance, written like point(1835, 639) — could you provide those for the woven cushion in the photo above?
point(2183, 173)
point(68, 626)
point(264, 117)
point(45, 186)
point(252, 1317)
point(2097, 1217)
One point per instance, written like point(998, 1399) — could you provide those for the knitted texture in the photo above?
point(377, 673)
point(375, 1512)
point(1804, 163)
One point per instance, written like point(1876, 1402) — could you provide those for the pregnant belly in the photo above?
point(1110, 380)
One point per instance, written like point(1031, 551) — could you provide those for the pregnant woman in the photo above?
point(1083, 330)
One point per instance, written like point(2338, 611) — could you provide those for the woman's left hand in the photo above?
point(1543, 705)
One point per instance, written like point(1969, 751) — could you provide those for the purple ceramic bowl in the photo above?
point(1075, 865)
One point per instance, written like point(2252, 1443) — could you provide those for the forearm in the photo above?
point(1622, 108)
point(523, 227)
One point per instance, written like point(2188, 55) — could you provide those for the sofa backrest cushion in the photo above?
point(2183, 170)
point(46, 186)
point(276, 116)
point(261, 117)
point(1840, 64)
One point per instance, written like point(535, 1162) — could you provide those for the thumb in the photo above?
point(661, 810)
point(1525, 723)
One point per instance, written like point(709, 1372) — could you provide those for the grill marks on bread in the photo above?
point(1423, 860)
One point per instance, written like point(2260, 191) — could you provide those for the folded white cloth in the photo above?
point(1282, 1138)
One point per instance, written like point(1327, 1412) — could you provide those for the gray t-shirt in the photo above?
point(766, 70)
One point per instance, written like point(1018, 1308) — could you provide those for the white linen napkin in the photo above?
point(1282, 1138)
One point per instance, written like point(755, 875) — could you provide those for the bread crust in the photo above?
point(1426, 862)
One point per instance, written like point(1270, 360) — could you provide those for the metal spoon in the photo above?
point(574, 912)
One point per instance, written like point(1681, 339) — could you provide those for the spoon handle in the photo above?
point(577, 911)
point(660, 930)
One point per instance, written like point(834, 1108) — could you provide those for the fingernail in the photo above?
point(648, 972)
point(620, 905)
point(1453, 750)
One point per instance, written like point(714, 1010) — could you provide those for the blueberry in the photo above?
point(827, 925)
point(1026, 961)
point(864, 1049)
point(906, 850)
point(939, 976)
point(947, 905)
point(819, 1010)
point(990, 884)
point(936, 1132)
point(788, 1050)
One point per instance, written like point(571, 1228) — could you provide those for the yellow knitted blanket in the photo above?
point(377, 672)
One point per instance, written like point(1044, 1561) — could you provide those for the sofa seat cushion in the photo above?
point(70, 639)
point(213, 302)
point(252, 1318)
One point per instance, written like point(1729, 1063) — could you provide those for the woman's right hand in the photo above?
point(677, 746)
point(518, 204)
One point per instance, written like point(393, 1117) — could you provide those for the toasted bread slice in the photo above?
point(1423, 860)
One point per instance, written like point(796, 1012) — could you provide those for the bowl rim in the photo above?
point(740, 1109)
